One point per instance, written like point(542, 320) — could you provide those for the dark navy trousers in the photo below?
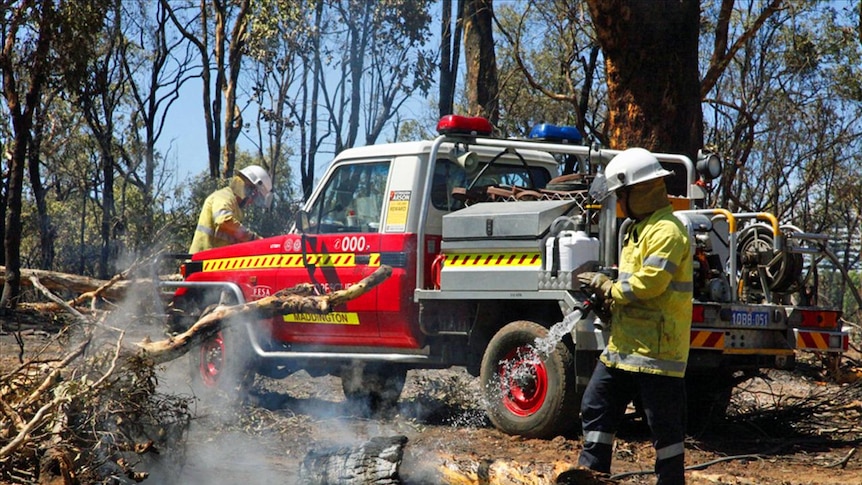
point(663, 402)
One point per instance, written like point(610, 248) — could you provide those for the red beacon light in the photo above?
point(464, 125)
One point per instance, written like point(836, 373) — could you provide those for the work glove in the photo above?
point(600, 284)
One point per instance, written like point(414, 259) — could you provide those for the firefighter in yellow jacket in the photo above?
point(220, 221)
point(650, 305)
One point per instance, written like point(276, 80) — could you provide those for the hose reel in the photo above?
point(762, 266)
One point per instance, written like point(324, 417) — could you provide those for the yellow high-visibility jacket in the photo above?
point(220, 222)
point(651, 308)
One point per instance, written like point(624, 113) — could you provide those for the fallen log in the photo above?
point(72, 283)
point(374, 462)
point(384, 461)
point(484, 471)
point(29, 412)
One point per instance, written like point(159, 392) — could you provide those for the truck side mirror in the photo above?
point(301, 221)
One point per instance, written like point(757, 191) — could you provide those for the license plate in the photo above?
point(745, 318)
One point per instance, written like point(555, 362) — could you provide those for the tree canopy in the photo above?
point(773, 86)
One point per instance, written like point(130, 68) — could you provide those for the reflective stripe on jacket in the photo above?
point(220, 222)
point(651, 310)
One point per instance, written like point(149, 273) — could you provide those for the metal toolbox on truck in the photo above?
point(497, 245)
point(504, 220)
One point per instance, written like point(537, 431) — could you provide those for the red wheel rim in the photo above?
point(212, 359)
point(523, 381)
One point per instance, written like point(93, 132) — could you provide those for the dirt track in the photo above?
point(439, 415)
point(787, 429)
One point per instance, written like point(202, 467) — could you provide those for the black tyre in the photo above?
point(526, 393)
point(707, 401)
point(223, 364)
point(373, 388)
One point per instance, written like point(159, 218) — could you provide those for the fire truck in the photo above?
point(485, 237)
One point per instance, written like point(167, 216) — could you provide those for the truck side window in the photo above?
point(448, 175)
point(352, 199)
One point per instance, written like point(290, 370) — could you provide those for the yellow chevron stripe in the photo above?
point(494, 259)
point(330, 260)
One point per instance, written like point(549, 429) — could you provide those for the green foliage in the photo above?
point(555, 43)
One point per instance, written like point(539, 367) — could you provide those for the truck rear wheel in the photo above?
point(707, 400)
point(527, 393)
point(373, 388)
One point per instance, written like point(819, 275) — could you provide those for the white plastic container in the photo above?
point(577, 248)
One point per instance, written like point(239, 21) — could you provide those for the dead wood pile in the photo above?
point(81, 409)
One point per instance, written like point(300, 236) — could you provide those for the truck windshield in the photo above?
point(351, 200)
point(448, 175)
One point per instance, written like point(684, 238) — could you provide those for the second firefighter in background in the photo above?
point(221, 218)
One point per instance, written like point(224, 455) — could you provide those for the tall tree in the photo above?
point(549, 68)
point(279, 35)
point(22, 96)
point(156, 66)
point(482, 85)
point(221, 59)
point(41, 39)
point(651, 62)
point(99, 90)
point(450, 48)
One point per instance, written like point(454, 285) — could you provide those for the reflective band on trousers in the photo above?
point(601, 437)
point(670, 451)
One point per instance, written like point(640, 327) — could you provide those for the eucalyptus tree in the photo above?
point(218, 30)
point(157, 63)
point(373, 59)
point(786, 110)
point(650, 51)
point(41, 40)
point(786, 113)
point(482, 85)
point(450, 50)
point(549, 68)
point(99, 85)
point(279, 47)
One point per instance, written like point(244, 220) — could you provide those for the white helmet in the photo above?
point(258, 177)
point(633, 166)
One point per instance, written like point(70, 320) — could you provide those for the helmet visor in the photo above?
point(264, 201)
point(599, 188)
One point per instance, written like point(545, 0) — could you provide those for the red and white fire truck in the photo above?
point(485, 236)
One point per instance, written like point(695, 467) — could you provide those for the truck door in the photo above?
point(341, 247)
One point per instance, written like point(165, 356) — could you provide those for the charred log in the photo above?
point(374, 462)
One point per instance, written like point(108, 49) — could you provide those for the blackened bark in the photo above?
point(651, 59)
point(481, 61)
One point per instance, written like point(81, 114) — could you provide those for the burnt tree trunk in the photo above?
point(651, 59)
point(482, 85)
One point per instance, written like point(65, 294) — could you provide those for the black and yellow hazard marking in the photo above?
point(494, 259)
point(333, 260)
point(334, 318)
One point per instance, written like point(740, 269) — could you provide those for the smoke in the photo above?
point(265, 439)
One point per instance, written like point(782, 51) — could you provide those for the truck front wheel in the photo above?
point(223, 363)
point(526, 392)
